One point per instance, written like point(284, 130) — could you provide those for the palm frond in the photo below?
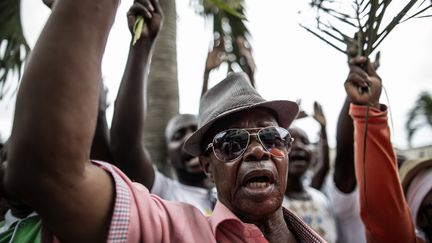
point(229, 24)
point(362, 21)
point(420, 115)
point(13, 46)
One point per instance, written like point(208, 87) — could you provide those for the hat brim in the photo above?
point(286, 111)
point(410, 169)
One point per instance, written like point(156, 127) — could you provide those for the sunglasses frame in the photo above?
point(210, 145)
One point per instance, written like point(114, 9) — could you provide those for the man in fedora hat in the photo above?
point(242, 143)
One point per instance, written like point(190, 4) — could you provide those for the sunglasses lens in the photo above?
point(229, 145)
point(276, 140)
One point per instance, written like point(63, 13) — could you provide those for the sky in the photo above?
point(291, 63)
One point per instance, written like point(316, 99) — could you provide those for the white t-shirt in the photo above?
point(172, 190)
point(346, 209)
point(315, 212)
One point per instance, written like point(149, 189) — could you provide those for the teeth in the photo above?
point(258, 184)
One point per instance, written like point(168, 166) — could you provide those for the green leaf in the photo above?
point(222, 5)
point(12, 40)
point(420, 115)
point(137, 29)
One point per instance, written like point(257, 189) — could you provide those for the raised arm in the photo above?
point(214, 60)
point(247, 61)
point(127, 128)
point(324, 158)
point(383, 208)
point(54, 123)
point(100, 149)
point(344, 173)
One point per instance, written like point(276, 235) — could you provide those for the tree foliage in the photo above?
point(420, 115)
point(358, 27)
point(229, 26)
point(14, 49)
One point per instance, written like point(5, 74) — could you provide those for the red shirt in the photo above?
point(383, 208)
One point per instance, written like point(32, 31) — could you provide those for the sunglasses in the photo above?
point(230, 144)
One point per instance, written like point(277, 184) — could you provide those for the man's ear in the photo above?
point(206, 166)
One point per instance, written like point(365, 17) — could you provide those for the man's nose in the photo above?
point(255, 151)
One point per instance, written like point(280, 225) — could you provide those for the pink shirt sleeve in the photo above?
point(382, 204)
point(139, 216)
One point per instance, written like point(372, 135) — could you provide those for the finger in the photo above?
point(147, 4)
point(359, 70)
point(355, 95)
point(138, 9)
point(156, 6)
point(131, 18)
point(357, 60)
point(371, 69)
point(317, 107)
point(357, 80)
point(217, 41)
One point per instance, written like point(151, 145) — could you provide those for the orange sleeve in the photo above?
point(383, 208)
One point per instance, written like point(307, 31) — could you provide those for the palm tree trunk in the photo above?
point(163, 94)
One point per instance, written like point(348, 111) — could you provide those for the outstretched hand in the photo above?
point(319, 114)
point(215, 56)
point(363, 86)
point(153, 16)
point(247, 60)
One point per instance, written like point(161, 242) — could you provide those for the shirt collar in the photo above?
point(220, 214)
point(10, 219)
point(301, 231)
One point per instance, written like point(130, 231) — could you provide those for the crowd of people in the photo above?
point(240, 165)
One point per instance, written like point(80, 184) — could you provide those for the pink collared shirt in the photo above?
point(139, 216)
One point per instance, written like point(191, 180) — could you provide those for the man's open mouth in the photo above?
point(258, 179)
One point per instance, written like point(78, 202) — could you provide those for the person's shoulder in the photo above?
point(315, 192)
point(317, 195)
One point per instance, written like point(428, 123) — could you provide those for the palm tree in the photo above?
point(357, 27)
point(229, 27)
point(420, 115)
point(163, 94)
point(13, 45)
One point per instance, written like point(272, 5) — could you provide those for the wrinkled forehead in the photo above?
point(178, 122)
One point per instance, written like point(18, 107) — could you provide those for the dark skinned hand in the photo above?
point(215, 56)
point(319, 114)
point(246, 54)
point(363, 86)
point(153, 18)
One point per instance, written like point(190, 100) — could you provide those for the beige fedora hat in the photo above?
point(411, 168)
